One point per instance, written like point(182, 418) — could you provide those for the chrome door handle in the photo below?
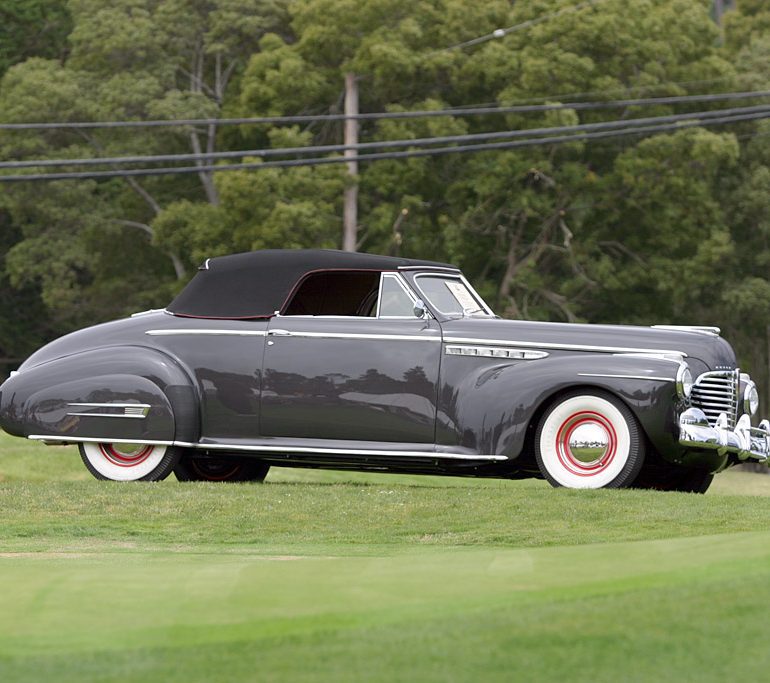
point(279, 333)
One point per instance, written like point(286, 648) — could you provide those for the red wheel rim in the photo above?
point(564, 452)
point(125, 457)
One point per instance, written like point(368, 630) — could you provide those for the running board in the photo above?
point(52, 440)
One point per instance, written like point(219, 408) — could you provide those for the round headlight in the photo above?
point(684, 381)
point(751, 399)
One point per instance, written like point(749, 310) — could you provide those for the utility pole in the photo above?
point(720, 7)
point(719, 10)
point(350, 208)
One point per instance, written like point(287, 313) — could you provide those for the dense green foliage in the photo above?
point(32, 28)
point(665, 229)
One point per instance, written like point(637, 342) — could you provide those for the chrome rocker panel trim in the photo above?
point(62, 440)
point(744, 441)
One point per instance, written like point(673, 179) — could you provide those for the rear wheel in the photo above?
point(589, 440)
point(227, 469)
point(129, 461)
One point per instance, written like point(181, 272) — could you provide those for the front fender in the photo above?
point(487, 407)
point(43, 400)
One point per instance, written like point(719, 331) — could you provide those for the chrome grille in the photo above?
point(717, 392)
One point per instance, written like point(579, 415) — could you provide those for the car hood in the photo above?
point(709, 348)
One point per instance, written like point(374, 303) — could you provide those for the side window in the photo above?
point(394, 301)
point(348, 293)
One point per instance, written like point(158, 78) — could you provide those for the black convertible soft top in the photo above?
point(256, 284)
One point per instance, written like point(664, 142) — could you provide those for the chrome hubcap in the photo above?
point(589, 442)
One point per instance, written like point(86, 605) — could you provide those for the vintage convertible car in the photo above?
point(354, 361)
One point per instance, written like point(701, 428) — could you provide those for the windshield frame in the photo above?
point(458, 277)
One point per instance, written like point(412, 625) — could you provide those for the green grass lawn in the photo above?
point(335, 576)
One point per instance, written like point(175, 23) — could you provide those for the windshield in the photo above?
point(451, 296)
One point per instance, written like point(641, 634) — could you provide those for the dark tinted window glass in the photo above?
point(336, 293)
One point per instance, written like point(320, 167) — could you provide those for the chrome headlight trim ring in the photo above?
point(684, 381)
point(750, 398)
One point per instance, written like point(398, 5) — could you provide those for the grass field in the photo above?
point(329, 576)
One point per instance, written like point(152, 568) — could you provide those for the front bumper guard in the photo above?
point(744, 440)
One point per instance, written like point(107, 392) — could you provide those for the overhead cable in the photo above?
point(377, 156)
point(378, 116)
point(387, 144)
point(502, 32)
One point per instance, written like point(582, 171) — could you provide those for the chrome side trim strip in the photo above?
point(355, 335)
point(495, 352)
point(561, 347)
point(309, 335)
point(139, 417)
point(131, 410)
point(655, 379)
point(271, 449)
point(190, 331)
point(110, 405)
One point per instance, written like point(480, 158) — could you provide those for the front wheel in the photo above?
point(129, 461)
point(589, 440)
point(661, 475)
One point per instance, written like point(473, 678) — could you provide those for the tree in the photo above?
point(129, 59)
point(28, 28)
point(32, 28)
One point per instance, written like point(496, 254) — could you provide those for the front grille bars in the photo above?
point(718, 392)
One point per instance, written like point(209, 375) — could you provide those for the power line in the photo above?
point(386, 144)
point(502, 32)
point(635, 88)
point(316, 161)
point(377, 116)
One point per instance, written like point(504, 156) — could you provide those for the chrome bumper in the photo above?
point(744, 440)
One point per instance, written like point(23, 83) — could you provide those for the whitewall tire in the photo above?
point(589, 440)
point(129, 461)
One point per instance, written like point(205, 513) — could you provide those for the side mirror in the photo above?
point(420, 310)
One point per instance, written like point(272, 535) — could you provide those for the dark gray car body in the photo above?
point(431, 394)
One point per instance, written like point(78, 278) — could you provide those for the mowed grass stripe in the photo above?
point(336, 576)
point(578, 613)
point(280, 518)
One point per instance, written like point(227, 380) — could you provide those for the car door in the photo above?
point(369, 377)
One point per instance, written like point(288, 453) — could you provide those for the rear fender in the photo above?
point(69, 398)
